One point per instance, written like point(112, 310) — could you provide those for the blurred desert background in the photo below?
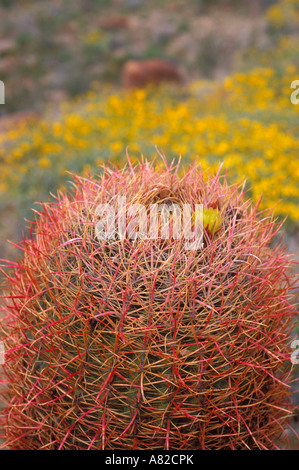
point(205, 80)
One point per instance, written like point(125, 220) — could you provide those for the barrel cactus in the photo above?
point(141, 343)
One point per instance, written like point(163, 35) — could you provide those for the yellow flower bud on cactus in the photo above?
point(211, 219)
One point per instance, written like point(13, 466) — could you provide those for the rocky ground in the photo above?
point(51, 51)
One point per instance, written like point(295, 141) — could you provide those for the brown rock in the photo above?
point(142, 73)
point(115, 22)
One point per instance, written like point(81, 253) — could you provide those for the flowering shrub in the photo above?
point(283, 16)
point(248, 122)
